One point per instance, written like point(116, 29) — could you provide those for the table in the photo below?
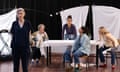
point(50, 43)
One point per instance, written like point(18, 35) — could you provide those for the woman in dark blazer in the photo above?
point(20, 41)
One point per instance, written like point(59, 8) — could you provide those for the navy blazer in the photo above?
point(20, 36)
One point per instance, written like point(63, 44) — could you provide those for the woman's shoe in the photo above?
point(37, 61)
point(113, 66)
point(68, 67)
point(32, 62)
point(104, 65)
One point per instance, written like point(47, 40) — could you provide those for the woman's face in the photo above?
point(80, 30)
point(20, 14)
point(101, 31)
point(42, 28)
point(69, 21)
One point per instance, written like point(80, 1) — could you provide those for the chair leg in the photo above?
point(86, 66)
point(116, 59)
point(106, 58)
point(87, 63)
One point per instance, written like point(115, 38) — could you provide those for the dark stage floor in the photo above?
point(56, 66)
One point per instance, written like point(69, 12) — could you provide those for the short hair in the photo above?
point(20, 9)
point(39, 26)
point(84, 29)
point(69, 17)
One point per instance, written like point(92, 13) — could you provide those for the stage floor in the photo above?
point(56, 66)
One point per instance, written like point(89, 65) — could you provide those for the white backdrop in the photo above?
point(108, 17)
point(6, 21)
point(79, 15)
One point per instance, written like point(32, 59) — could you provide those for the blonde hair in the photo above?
point(103, 30)
point(40, 25)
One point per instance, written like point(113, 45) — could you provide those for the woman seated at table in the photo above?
point(69, 30)
point(39, 37)
point(109, 42)
point(81, 48)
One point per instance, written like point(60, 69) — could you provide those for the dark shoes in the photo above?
point(68, 67)
point(104, 65)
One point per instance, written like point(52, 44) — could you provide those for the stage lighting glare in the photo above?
point(51, 15)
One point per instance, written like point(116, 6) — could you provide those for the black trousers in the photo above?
point(36, 54)
point(20, 53)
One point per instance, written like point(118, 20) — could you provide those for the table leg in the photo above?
point(47, 61)
point(97, 49)
point(50, 54)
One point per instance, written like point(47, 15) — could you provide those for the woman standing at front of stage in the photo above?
point(69, 30)
point(21, 29)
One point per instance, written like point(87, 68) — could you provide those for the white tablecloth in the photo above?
point(59, 46)
point(64, 42)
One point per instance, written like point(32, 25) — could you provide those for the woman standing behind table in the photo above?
point(69, 30)
point(109, 42)
point(39, 37)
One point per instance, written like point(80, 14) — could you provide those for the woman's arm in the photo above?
point(46, 36)
point(12, 28)
point(75, 44)
point(30, 38)
point(63, 29)
point(75, 32)
point(114, 41)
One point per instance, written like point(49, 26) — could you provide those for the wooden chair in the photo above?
point(86, 57)
point(117, 54)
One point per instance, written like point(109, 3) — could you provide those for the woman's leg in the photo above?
point(16, 60)
point(76, 56)
point(102, 58)
point(33, 53)
point(113, 56)
point(38, 54)
point(25, 59)
point(67, 60)
point(67, 56)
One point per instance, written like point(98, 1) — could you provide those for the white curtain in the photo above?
point(6, 21)
point(79, 15)
point(108, 17)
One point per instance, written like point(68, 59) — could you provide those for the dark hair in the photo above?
point(102, 27)
point(69, 17)
point(84, 29)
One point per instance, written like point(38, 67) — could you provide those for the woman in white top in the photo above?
point(109, 41)
point(39, 37)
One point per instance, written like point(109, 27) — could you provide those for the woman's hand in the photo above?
point(71, 55)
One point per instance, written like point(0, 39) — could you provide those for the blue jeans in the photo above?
point(76, 55)
point(69, 37)
point(102, 58)
point(67, 56)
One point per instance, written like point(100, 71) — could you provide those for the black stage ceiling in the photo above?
point(38, 11)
